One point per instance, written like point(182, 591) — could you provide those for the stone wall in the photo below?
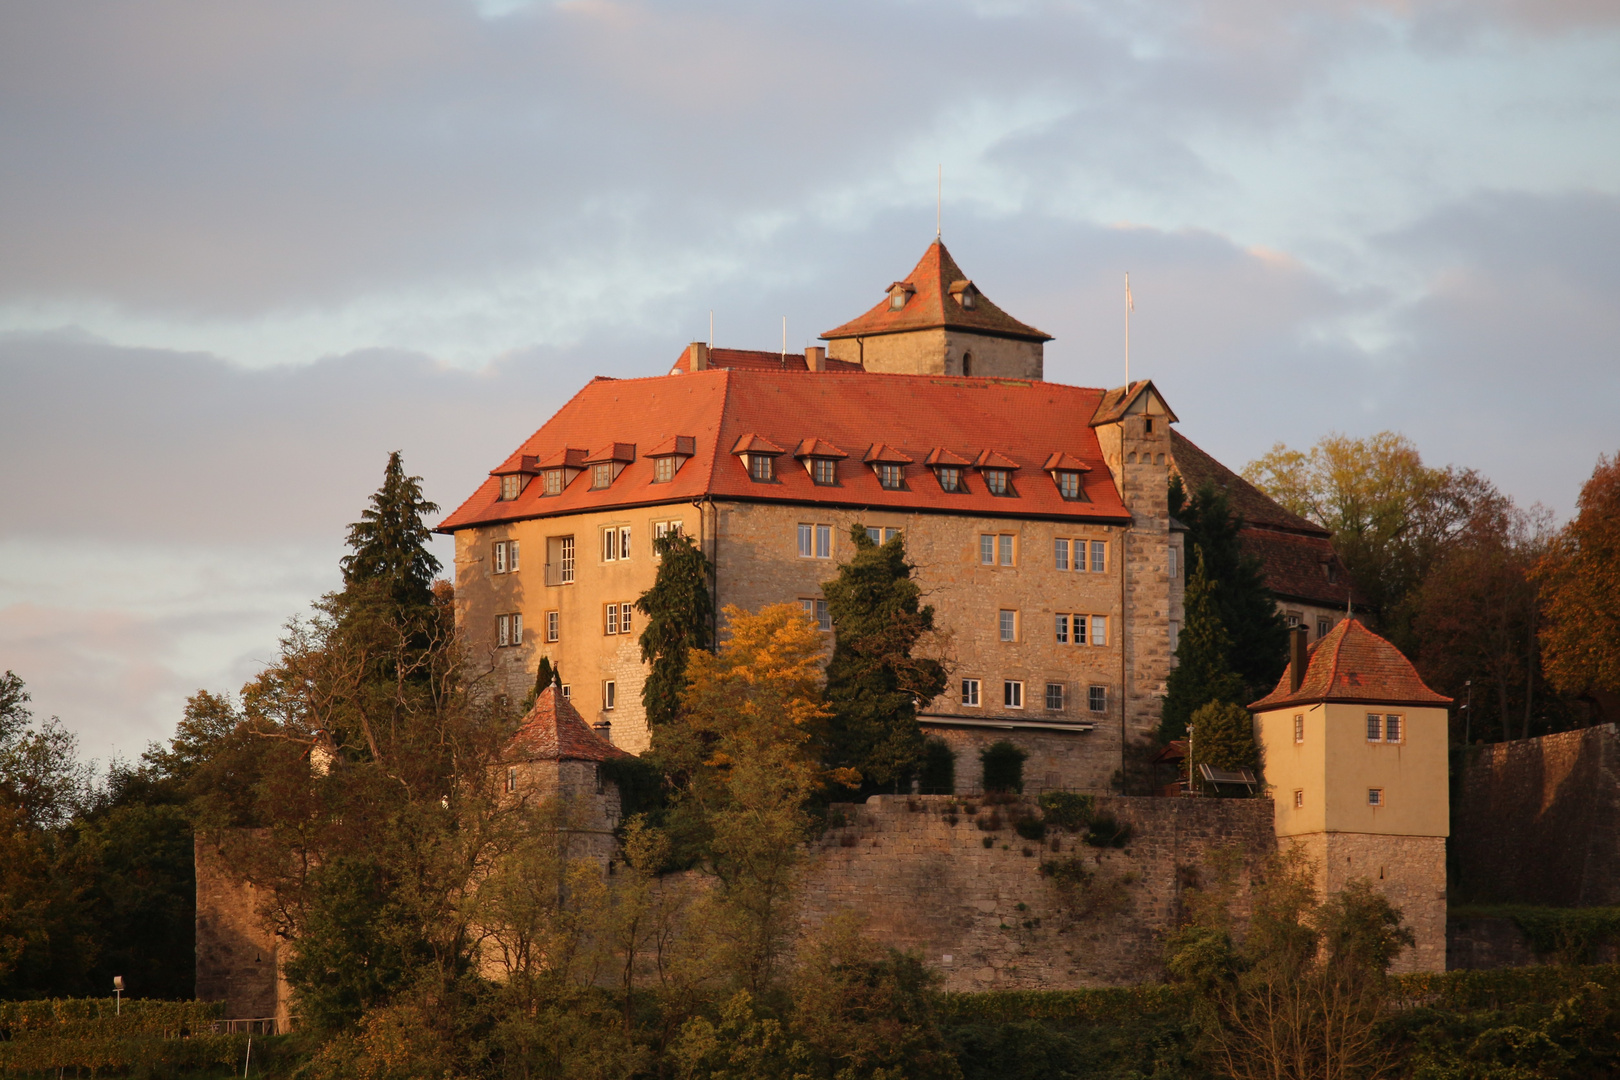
point(1537, 821)
point(1076, 760)
point(950, 878)
point(239, 961)
point(1409, 870)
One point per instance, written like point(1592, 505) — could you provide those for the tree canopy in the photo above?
point(389, 544)
point(679, 612)
point(1202, 673)
point(1581, 576)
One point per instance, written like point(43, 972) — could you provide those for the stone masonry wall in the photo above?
point(1057, 759)
point(238, 959)
point(1409, 870)
point(920, 871)
point(1537, 821)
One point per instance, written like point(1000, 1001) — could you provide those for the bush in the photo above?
point(1108, 831)
point(938, 775)
point(1003, 763)
point(1030, 828)
point(1067, 809)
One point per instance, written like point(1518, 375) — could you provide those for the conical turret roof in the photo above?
point(554, 731)
point(939, 295)
point(1353, 665)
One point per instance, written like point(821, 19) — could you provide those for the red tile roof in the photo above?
point(1118, 401)
point(933, 302)
point(760, 360)
point(554, 731)
point(1028, 420)
point(1355, 666)
point(1296, 567)
point(1252, 506)
point(814, 447)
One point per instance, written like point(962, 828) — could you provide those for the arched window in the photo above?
point(967, 363)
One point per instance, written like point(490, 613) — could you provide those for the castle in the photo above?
point(1037, 517)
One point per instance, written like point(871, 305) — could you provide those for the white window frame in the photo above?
point(1299, 728)
point(1060, 627)
point(517, 628)
point(511, 556)
point(567, 692)
point(1397, 723)
point(1299, 798)
point(970, 694)
point(503, 631)
point(1375, 797)
point(987, 549)
point(601, 475)
point(1007, 624)
point(554, 482)
point(1375, 727)
point(1060, 553)
point(1012, 693)
point(610, 619)
point(565, 560)
point(824, 541)
point(625, 607)
point(553, 625)
point(499, 557)
point(624, 542)
point(824, 471)
point(1099, 631)
point(1080, 629)
point(610, 695)
point(1006, 550)
point(1099, 557)
point(610, 544)
point(511, 486)
point(807, 540)
point(665, 468)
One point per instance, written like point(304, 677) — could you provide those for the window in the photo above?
point(601, 475)
point(1333, 573)
point(1294, 619)
point(500, 557)
point(995, 481)
point(1060, 554)
point(511, 778)
point(1006, 550)
point(666, 528)
point(565, 560)
point(517, 629)
point(1012, 694)
point(1174, 565)
point(823, 541)
point(553, 625)
point(806, 535)
point(824, 471)
point(1175, 634)
point(897, 299)
point(950, 477)
point(511, 556)
point(1392, 729)
point(880, 536)
point(503, 630)
point(610, 545)
point(511, 487)
point(1009, 626)
point(1323, 626)
point(760, 467)
point(1147, 425)
point(1068, 484)
point(1079, 624)
point(1054, 697)
point(1375, 727)
point(664, 469)
point(624, 543)
point(970, 693)
point(1062, 629)
point(610, 694)
point(1299, 727)
point(1299, 799)
point(624, 616)
point(554, 481)
point(1099, 630)
point(1375, 796)
point(891, 477)
point(816, 608)
point(1097, 698)
point(1099, 556)
point(610, 618)
point(568, 692)
point(987, 549)
point(967, 363)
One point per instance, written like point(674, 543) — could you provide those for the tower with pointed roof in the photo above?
point(935, 321)
point(1354, 751)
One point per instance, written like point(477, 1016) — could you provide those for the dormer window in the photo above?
point(511, 486)
point(996, 481)
point(664, 469)
point(601, 475)
point(824, 471)
point(554, 481)
point(899, 293)
point(1067, 473)
point(950, 477)
point(891, 477)
point(669, 455)
point(761, 467)
point(1068, 484)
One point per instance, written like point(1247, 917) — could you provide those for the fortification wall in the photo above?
point(919, 870)
point(1537, 821)
point(239, 960)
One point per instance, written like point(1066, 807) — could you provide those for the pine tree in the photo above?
point(1223, 738)
point(679, 618)
point(1248, 611)
point(1202, 673)
point(873, 681)
point(389, 542)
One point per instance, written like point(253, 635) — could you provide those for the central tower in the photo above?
point(935, 321)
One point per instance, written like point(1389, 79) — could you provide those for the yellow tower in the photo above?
point(1354, 751)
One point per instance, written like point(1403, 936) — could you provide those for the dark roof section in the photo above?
point(932, 303)
point(911, 415)
point(1250, 504)
point(1116, 402)
point(554, 731)
point(1303, 568)
point(760, 360)
point(1353, 665)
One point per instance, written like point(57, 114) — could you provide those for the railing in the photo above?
point(559, 574)
point(262, 1025)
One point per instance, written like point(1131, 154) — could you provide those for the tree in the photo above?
point(1003, 766)
point(1202, 673)
point(1221, 735)
point(874, 682)
point(40, 774)
point(1302, 993)
point(389, 543)
point(1581, 578)
point(679, 613)
point(1390, 514)
point(1248, 611)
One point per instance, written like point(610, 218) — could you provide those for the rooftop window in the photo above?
point(1068, 484)
point(761, 467)
point(511, 486)
point(995, 481)
point(897, 299)
point(601, 475)
point(554, 481)
point(950, 477)
point(665, 468)
point(892, 477)
point(824, 471)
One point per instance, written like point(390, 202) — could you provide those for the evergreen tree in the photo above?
point(390, 540)
point(679, 618)
point(1247, 609)
point(1202, 673)
point(873, 681)
point(1223, 738)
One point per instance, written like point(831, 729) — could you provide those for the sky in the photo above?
point(248, 249)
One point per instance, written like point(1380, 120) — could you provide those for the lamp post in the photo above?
point(118, 995)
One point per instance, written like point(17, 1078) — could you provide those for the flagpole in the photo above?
point(1129, 306)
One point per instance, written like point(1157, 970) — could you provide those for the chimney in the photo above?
point(815, 357)
point(1299, 659)
point(700, 356)
point(604, 728)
